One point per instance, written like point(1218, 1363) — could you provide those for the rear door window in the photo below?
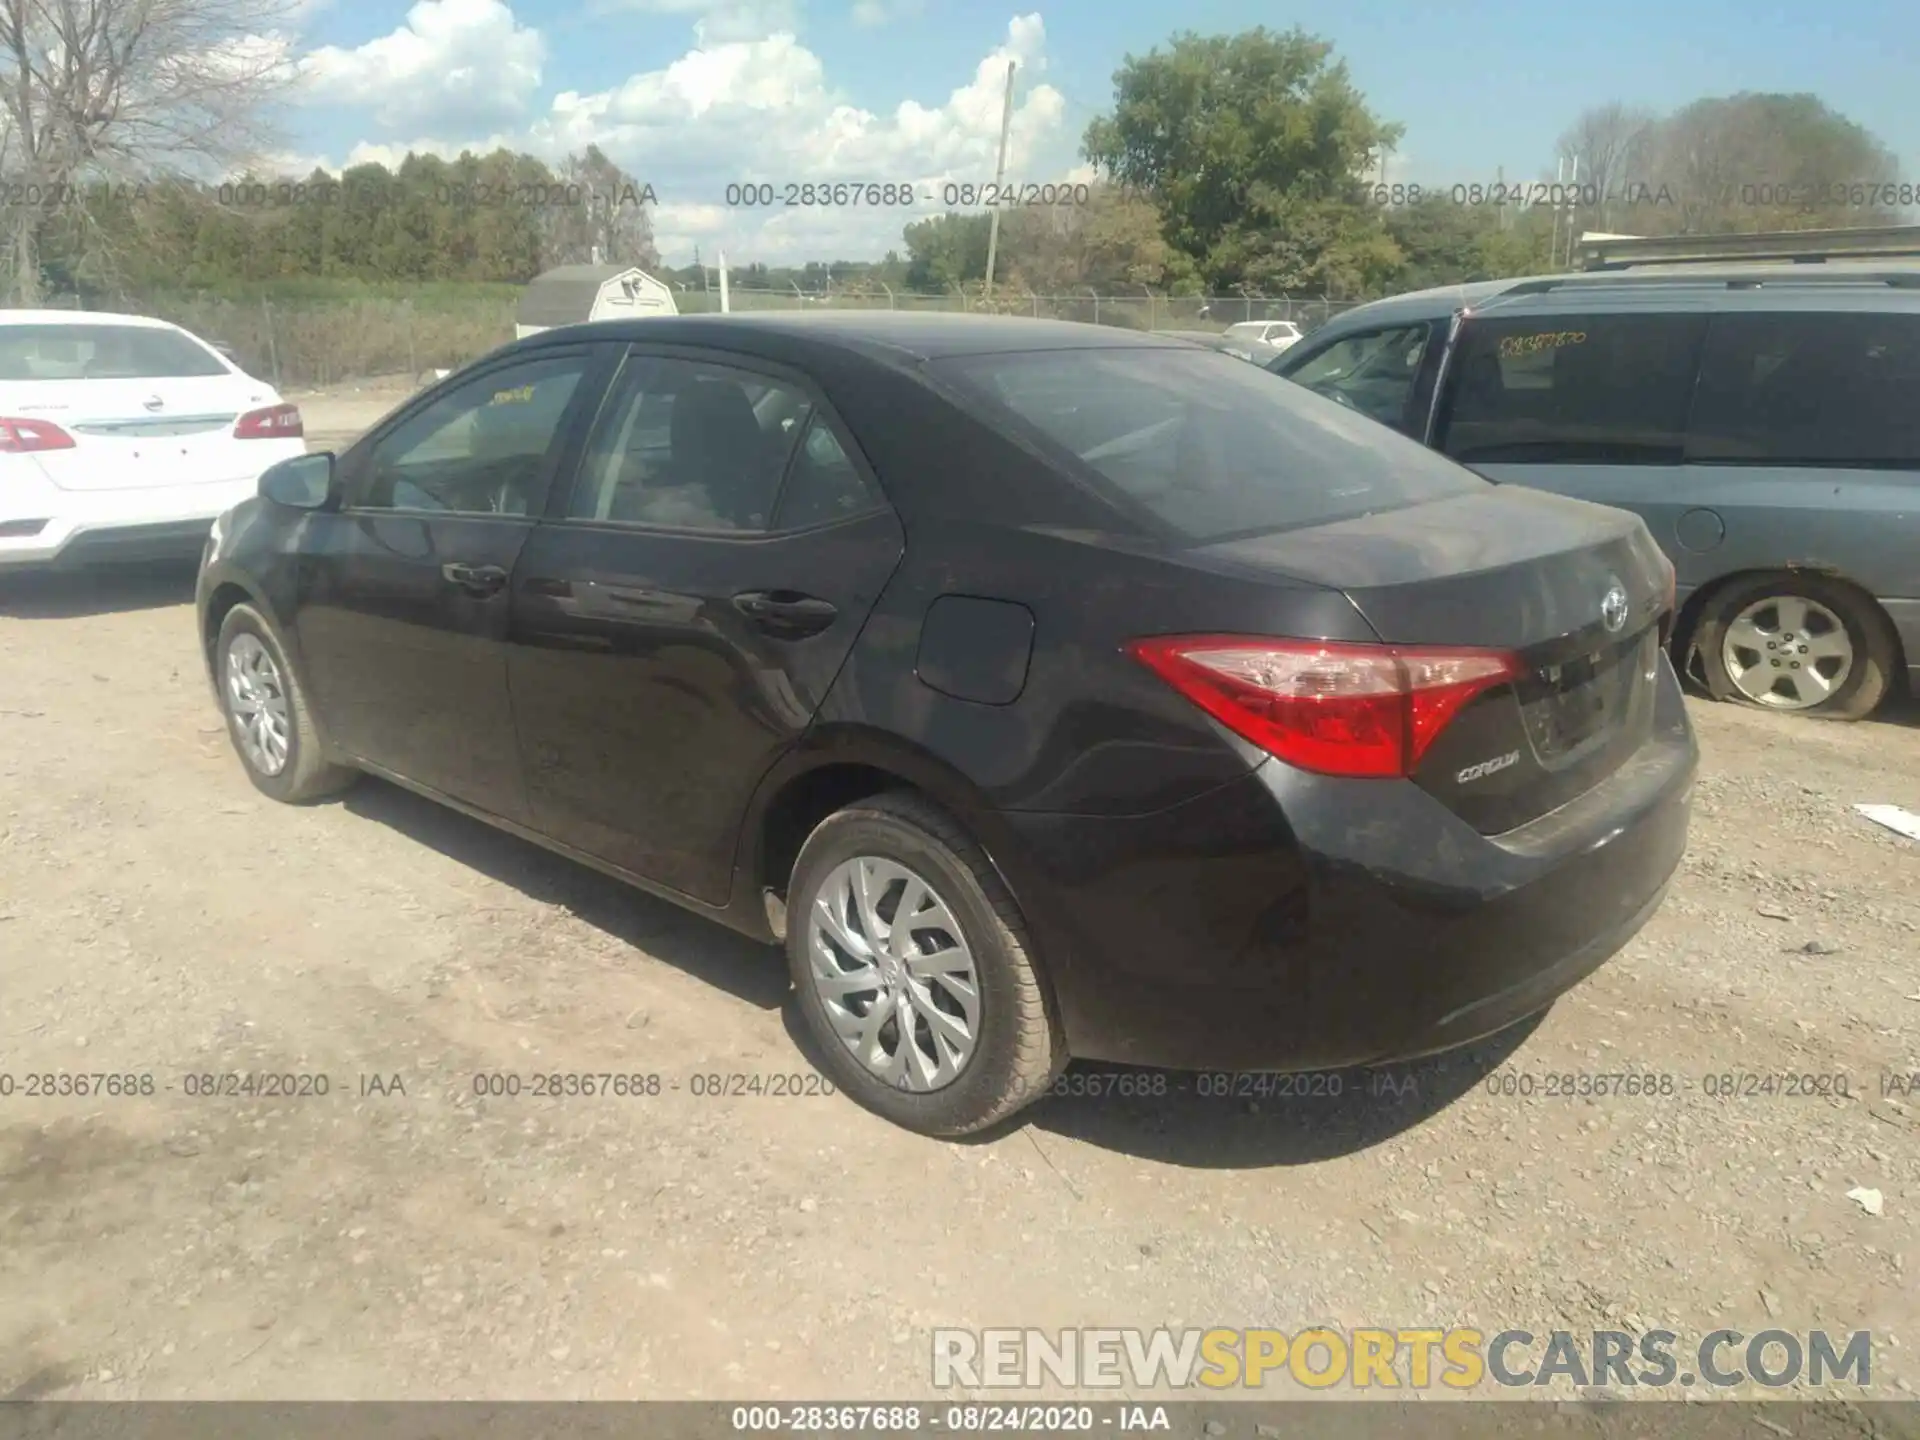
point(1207, 446)
point(1802, 388)
point(1569, 389)
point(689, 445)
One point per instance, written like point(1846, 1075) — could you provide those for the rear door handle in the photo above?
point(481, 580)
point(786, 614)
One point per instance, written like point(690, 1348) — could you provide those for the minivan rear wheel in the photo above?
point(913, 970)
point(1796, 643)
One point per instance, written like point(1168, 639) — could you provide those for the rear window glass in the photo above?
point(1602, 389)
point(1809, 389)
point(1210, 447)
point(101, 352)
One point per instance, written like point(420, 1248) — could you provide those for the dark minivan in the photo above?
point(1048, 690)
point(1763, 420)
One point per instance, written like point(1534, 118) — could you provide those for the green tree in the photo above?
point(1113, 244)
point(1253, 146)
point(1725, 164)
point(945, 251)
point(1443, 243)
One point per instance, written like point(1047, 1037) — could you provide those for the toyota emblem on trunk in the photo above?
point(1613, 609)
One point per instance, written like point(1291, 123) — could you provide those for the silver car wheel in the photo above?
point(894, 973)
point(257, 704)
point(1787, 652)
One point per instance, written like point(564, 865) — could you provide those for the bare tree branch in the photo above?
point(96, 91)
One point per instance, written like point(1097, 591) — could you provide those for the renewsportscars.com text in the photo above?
point(1408, 1358)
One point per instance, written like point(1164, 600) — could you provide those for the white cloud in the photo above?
point(764, 110)
point(240, 58)
point(454, 63)
point(716, 22)
point(869, 13)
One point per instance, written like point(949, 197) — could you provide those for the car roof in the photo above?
point(1695, 284)
point(904, 334)
point(81, 317)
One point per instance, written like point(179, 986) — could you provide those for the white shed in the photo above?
point(570, 294)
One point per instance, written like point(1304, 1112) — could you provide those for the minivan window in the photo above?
point(1598, 389)
point(1208, 446)
point(102, 352)
point(1373, 371)
point(1802, 388)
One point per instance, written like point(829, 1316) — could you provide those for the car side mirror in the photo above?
point(305, 482)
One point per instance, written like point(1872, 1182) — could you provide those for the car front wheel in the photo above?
point(912, 968)
point(267, 715)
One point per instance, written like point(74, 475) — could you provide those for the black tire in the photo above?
point(307, 775)
point(1019, 1049)
point(1876, 647)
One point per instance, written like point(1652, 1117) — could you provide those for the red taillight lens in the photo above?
point(275, 422)
point(22, 437)
point(1327, 706)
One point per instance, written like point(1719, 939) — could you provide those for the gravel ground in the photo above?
point(158, 917)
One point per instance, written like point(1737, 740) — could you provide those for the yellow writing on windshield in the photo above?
point(512, 397)
point(1512, 346)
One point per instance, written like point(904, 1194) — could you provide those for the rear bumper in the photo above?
point(1295, 922)
point(43, 526)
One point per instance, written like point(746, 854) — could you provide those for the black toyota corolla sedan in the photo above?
point(1048, 690)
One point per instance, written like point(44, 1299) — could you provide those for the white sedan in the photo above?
point(1262, 340)
point(123, 437)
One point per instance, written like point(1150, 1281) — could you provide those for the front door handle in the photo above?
point(480, 580)
point(786, 614)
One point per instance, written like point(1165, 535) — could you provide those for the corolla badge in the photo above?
point(1613, 608)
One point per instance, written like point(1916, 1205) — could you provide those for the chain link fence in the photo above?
point(316, 343)
point(1146, 310)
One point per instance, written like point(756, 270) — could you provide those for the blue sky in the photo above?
point(692, 94)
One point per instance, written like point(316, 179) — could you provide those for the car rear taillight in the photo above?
point(1328, 706)
point(22, 437)
point(275, 422)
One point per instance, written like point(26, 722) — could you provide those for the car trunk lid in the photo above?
point(137, 434)
point(1578, 593)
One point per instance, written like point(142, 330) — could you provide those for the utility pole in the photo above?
point(999, 175)
point(1559, 178)
point(1573, 212)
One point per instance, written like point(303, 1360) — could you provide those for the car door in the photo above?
point(681, 614)
point(1803, 445)
point(1386, 373)
point(1591, 404)
point(403, 595)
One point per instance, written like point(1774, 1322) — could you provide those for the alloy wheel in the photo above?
point(894, 973)
point(1787, 652)
point(257, 704)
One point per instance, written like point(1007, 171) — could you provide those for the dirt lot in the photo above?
point(335, 415)
point(158, 917)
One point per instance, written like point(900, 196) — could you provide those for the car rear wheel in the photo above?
point(268, 719)
point(912, 968)
point(1798, 643)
